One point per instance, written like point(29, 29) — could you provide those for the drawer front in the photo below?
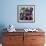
point(37, 45)
point(12, 39)
point(34, 33)
point(37, 39)
point(27, 41)
point(13, 33)
point(12, 45)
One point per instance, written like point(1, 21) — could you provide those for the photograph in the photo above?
point(25, 13)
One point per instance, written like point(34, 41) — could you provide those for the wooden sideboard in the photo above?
point(23, 38)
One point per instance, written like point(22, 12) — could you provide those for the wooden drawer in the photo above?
point(37, 39)
point(12, 44)
point(27, 41)
point(34, 33)
point(12, 39)
point(37, 44)
point(13, 33)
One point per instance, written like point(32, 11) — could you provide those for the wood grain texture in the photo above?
point(13, 39)
point(23, 39)
point(34, 39)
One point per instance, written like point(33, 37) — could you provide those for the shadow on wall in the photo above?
point(2, 26)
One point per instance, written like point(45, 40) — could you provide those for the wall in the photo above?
point(8, 13)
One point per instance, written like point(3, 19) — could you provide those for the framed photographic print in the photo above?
point(26, 13)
